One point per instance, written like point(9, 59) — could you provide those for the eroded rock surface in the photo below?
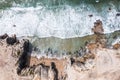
point(96, 63)
point(98, 28)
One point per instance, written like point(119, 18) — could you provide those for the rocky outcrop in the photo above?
point(116, 46)
point(3, 36)
point(98, 28)
point(11, 40)
point(96, 62)
point(24, 58)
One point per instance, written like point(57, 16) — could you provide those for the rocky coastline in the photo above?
point(94, 61)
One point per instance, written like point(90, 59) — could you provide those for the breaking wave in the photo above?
point(58, 18)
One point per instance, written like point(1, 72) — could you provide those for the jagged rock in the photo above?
point(91, 47)
point(28, 71)
point(11, 40)
point(3, 36)
point(118, 14)
point(106, 64)
point(38, 70)
point(116, 46)
point(53, 73)
point(23, 60)
point(44, 72)
point(98, 28)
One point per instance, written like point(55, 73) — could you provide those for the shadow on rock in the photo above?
point(24, 59)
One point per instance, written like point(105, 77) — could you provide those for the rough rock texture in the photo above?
point(3, 36)
point(8, 57)
point(116, 46)
point(11, 40)
point(98, 28)
point(97, 63)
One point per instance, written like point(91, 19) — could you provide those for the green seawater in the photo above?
point(80, 6)
point(56, 3)
point(71, 44)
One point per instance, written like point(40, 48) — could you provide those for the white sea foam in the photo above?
point(66, 22)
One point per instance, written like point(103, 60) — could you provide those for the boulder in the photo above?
point(53, 73)
point(24, 58)
point(118, 14)
point(98, 28)
point(11, 40)
point(116, 46)
point(3, 36)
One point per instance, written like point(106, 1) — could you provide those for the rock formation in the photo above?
point(11, 40)
point(116, 46)
point(96, 62)
point(3, 36)
point(98, 28)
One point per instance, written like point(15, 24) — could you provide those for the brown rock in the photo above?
point(98, 28)
point(116, 46)
point(91, 47)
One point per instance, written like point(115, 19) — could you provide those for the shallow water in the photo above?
point(70, 45)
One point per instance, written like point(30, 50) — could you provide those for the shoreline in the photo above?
point(92, 57)
point(28, 67)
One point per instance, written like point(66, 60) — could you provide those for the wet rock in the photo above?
point(3, 36)
point(44, 72)
point(14, 25)
point(109, 9)
point(91, 47)
point(98, 28)
point(72, 61)
point(41, 72)
point(118, 14)
point(11, 40)
point(116, 46)
point(90, 15)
